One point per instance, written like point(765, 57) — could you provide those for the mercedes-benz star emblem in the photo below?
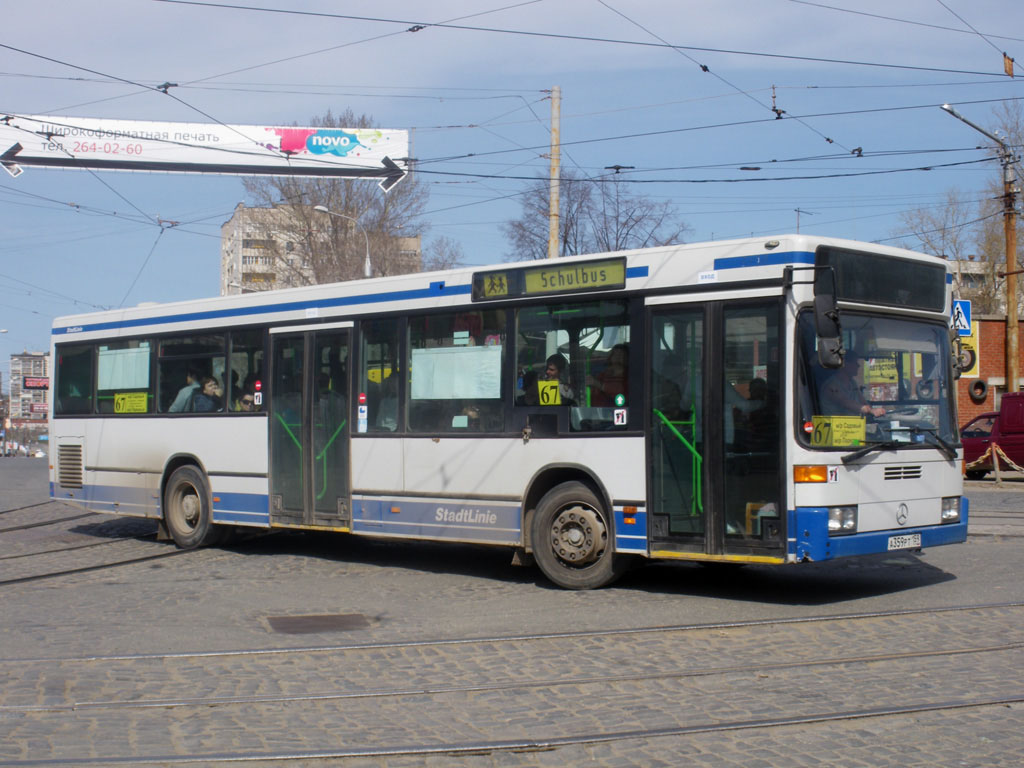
point(902, 514)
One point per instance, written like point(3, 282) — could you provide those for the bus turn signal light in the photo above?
point(810, 474)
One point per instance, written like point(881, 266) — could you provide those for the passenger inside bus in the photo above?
point(555, 371)
point(183, 400)
point(209, 397)
point(612, 380)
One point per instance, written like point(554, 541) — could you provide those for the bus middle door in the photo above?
point(309, 427)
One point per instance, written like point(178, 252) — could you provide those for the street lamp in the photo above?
point(367, 272)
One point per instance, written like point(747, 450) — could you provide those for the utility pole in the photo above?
point(1006, 159)
point(556, 162)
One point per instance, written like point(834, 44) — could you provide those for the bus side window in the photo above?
point(378, 377)
point(122, 377)
point(455, 364)
point(74, 379)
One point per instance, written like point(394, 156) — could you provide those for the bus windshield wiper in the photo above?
point(890, 445)
point(947, 450)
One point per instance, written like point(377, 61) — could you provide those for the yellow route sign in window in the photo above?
point(130, 402)
point(836, 431)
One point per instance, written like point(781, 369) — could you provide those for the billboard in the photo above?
point(132, 145)
point(35, 382)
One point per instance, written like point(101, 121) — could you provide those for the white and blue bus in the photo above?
point(753, 401)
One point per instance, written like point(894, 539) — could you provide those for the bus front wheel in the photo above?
point(572, 538)
point(187, 512)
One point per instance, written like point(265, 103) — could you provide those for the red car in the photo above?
point(1004, 428)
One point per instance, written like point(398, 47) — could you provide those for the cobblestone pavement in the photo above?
point(105, 664)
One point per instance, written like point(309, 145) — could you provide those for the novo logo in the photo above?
point(328, 142)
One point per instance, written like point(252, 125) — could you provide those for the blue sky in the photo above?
point(866, 75)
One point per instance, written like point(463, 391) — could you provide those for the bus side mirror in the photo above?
point(830, 338)
point(963, 359)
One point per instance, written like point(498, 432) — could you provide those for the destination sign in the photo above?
point(603, 275)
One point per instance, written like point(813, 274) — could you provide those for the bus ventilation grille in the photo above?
point(69, 466)
point(903, 473)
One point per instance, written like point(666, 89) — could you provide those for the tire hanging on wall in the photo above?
point(978, 390)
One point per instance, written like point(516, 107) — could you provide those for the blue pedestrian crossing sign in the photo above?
point(962, 317)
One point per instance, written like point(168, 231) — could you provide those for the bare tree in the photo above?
point(971, 232)
point(443, 253)
point(595, 215)
point(307, 246)
point(943, 230)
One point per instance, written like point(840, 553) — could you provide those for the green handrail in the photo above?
point(323, 456)
point(697, 505)
point(289, 431)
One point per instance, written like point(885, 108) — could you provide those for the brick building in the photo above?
point(990, 368)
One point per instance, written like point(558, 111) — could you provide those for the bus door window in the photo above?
point(455, 365)
point(378, 379)
point(286, 428)
point(677, 444)
point(330, 421)
point(750, 421)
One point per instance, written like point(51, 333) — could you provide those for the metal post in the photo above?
point(1006, 159)
point(1010, 234)
point(556, 160)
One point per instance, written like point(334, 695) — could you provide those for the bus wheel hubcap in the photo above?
point(578, 536)
point(190, 509)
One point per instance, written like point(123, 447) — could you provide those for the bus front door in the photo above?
point(716, 472)
point(309, 428)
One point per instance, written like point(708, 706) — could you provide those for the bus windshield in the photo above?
point(895, 384)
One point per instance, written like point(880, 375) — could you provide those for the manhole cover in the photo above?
point(324, 622)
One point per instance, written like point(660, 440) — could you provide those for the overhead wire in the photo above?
point(893, 18)
point(969, 25)
point(582, 38)
point(704, 68)
point(143, 267)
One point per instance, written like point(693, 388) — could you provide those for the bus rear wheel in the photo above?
point(572, 538)
point(187, 512)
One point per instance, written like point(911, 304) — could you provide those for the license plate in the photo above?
point(908, 541)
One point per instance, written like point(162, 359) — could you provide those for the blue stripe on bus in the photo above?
point(636, 272)
point(434, 290)
point(764, 260)
point(242, 518)
point(485, 521)
point(631, 537)
point(113, 499)
point(241, 508)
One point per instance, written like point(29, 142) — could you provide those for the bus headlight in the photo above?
point(842, 520)
point(951, 509)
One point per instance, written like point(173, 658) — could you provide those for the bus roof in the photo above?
point(707, 264)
